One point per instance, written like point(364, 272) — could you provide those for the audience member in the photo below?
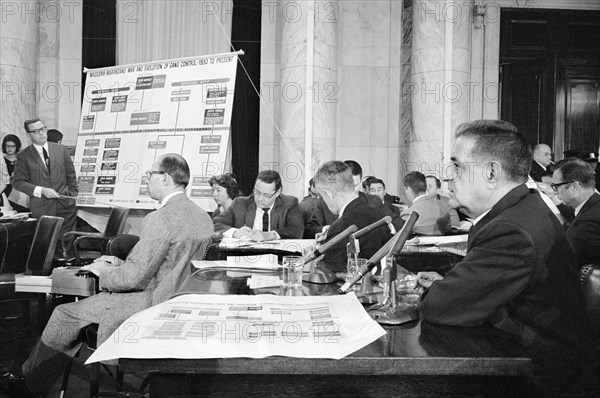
point(573, 181)
point(377, 188)
point(55, 136)
point(45, 172)
point(366, 181)
point(542, 160)
point(11, 145)
point(171, 237)
point(519, 273)
point(337, 188)
point(434, 186)
point(308, 204)
point(224, 190)
point(433, 218)
point(267, 214)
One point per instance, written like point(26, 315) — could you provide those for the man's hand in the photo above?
point(242, 233)
point(50, 193)
point(425, 279)
point(100, 264)
point(322, 236)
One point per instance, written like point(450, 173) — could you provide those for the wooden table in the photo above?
point(415, 359)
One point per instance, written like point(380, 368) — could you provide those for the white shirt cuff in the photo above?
point(229, 233)
point(37, 192)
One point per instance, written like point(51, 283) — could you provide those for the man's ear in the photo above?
point(492, 172)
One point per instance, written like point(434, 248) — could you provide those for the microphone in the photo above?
point(332, 242)
point(370, 228)
point(397, 242)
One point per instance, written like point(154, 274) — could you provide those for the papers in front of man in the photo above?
point(456, 244)
point(199, 326)
point(289, 245)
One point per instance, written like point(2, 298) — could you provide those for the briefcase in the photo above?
point(64, 281)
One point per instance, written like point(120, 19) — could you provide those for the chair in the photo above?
point(39, 262)
point(95, 241)
point(590, 283)
point(118, 246)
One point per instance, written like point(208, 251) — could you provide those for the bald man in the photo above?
point(542, 159)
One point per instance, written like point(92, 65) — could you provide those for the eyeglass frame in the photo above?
point(150, 173)
point(555, 186)
point(38, 131)
point(268, 196)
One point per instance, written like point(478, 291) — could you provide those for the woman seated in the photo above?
point(224, 190)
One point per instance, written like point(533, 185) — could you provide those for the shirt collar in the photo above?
point(475, 221)
point(344, 206)
point(578, 208)
point(169, 196)
point(543, 167)
point(419, 197)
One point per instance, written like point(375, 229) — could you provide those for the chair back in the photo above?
point(116, 221)
point(121, 245)
point(590, 282)
point(39, 261)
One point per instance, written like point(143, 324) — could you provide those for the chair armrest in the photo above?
point(75, 235)
point(98, 244)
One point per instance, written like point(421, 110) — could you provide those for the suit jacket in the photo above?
point(519, 274)
point(433, 218)
point(155, 268)
point(584, 232)
point(285, 218)
point(323, 216)
point(359, 213)
point(30, 171)
point(537, 171)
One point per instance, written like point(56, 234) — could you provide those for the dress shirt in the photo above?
point(258, 224)
point(578, 208)
point(344, 206)
point(37, 192)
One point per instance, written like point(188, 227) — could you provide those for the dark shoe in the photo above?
point(13, 386)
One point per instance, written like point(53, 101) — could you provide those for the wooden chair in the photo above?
point(39, 262)
point(95, 241)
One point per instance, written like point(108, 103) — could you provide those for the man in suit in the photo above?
point(433, 218)
point(267, 214)
point(45, 172)
point(336, 186)
point(542, 161)
point(434, 186)
point(519, 272)
point(573, 181)
point(171, 237)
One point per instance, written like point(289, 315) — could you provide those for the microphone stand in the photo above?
point(390, 312)
point(317, 274)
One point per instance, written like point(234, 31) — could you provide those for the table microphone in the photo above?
point(397, 241)
point(370, 228)
point(329, 244)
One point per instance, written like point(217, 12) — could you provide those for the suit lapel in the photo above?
point(591, 202)
point(275, 213)
point(250, 214)
point(35, 156)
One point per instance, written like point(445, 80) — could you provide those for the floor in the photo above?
point(17, 339)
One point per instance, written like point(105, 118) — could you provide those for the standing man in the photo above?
point(155, 268)
point(267, 214)
point(44, 171)
point(573, 181)
point(542, 159)
point(519, 273)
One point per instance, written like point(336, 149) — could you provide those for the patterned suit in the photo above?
point(584, 232)
point(520, 275)
point(285, 217)
point(30, 171)
point(155, 268)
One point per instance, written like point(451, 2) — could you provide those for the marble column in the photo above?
point(18, 66)
point(308, 73)
point(440, 86)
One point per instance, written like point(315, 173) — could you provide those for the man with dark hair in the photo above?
point(376, 187)
point(573, 182)
point(434, 185)
point(308, 204)
point(171, 237)
point(44, 171)
point(336, 186)
point(267, 214)
point(55, 136)
point(356, 173)
point(519, 273)
point(433, 219)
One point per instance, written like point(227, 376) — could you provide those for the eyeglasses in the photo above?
point(150, 172)
point(258, 194)
point(555, 186)
point(10, 146)
point(39, 131)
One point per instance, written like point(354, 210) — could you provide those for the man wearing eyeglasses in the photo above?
point(44, 171)
point(573, 181)
point(519, 273)
point(267, 214)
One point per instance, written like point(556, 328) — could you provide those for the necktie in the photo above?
point(46, 158)
point(265, 219)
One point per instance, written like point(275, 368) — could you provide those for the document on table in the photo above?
point(197, 326)
point(289, 245)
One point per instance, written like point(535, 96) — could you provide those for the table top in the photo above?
point(415, 348)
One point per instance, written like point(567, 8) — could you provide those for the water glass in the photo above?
point(354, 265)
point(292, 271)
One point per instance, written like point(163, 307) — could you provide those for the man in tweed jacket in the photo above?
point(171, 236)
